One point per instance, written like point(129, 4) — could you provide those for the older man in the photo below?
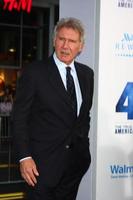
point(51, 117)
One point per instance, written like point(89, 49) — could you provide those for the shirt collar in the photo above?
point(62, 65)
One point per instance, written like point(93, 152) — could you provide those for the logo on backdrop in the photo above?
point(121, 171)
point(124, 47)
point(17, 5)
point(125, 102)
point(125, 105)
point(125, 3)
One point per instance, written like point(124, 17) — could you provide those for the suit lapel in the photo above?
point(81, 80)
point(82, 84)
point(56, 81)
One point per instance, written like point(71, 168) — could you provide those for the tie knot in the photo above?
point(68, 69)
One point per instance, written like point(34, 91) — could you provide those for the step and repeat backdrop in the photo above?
point(114, 173)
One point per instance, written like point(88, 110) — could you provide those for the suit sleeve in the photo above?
point(21, 111)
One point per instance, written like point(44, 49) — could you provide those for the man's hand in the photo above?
point(29, 171)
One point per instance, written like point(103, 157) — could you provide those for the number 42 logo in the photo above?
point(125, 102)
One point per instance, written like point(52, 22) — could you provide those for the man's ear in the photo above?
point(81, 47)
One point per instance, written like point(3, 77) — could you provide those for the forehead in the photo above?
point(68, 32)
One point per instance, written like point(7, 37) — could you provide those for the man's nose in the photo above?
point(65, 44)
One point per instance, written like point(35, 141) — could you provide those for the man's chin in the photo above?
point(65, 60)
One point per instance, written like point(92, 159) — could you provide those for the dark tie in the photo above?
point(71, 89)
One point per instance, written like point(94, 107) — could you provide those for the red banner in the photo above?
point(25, 5)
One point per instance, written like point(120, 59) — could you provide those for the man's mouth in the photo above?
point(65, 53)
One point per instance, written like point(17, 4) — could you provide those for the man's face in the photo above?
point(67, 44)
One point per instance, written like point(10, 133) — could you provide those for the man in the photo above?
point(50, 126)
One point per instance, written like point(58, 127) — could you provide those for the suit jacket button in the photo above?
point(67, 146)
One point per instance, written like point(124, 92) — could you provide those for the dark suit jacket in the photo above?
point(44, 125)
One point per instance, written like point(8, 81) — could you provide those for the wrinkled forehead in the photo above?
point(68, 28)
point(69, 32)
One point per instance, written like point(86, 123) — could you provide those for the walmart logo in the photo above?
point(121, 171)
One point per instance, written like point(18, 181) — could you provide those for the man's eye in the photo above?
point(72, 41)
point(62, 39)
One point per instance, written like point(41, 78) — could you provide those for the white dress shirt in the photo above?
point(62, 70)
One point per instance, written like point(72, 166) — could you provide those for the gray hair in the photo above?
point(73, 23)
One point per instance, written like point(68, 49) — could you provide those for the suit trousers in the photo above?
point(67, 187)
